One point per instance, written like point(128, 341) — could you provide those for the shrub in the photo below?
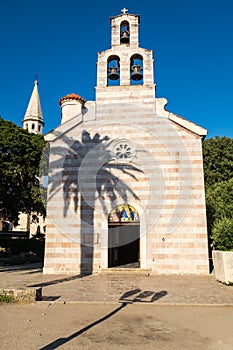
point(222, 233)
point(5, 298)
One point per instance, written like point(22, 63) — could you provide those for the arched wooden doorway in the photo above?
point(124, 237)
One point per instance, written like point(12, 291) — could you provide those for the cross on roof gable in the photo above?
point(124, 10)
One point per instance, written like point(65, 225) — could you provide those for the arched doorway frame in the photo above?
point(143, 233)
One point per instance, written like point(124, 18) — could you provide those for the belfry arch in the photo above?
point(136, 70)
point(124, 237)
point(113, 70)
point(125, 33)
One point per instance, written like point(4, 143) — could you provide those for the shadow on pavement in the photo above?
point(57, 281)
point(25, 267)
point(124, 300)
point(139, 296)
point(50, 298)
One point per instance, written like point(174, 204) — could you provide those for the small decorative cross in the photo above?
point(124, 10)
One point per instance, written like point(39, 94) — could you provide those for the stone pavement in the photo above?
point(186, 290)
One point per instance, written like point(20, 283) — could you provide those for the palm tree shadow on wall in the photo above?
point(91, 172)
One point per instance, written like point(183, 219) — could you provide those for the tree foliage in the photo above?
point(219, 198)
point(218, 172)
point(222, 233)
point(218, 160)
point(20, 155)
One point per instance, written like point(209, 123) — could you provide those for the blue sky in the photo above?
point(192, 43)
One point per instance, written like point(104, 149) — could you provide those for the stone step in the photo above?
point(126, 271)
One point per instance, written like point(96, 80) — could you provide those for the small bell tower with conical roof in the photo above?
point(33, 118)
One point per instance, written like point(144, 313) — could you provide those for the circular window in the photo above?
point(123, 150)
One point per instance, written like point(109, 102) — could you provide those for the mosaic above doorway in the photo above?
point(124, 213)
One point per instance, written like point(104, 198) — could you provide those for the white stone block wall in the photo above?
point(133, 22)
point(125, 53)
point(164, 182)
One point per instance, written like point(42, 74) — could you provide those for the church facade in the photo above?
point(126, 184)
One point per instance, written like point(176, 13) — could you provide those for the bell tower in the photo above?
point(125, 72)
point(33, 119)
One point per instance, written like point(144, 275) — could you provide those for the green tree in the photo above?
point(222, 233)
point(218, 172)
point(219, 200)
point(20, 155)
point(218, 160)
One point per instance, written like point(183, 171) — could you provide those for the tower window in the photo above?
point(33, 126)
point(113, 71)
point(39, 128)
point(26, 126)
point(136, 70)
point(124, 33)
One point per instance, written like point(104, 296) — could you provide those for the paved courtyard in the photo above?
point(114, 312)
point(187, 290)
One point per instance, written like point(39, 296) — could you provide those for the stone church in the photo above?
point(126, 186)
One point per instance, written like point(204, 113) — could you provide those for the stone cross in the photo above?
point(124, 10)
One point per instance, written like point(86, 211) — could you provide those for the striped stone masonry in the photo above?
point(160, 175)
point(164, 182)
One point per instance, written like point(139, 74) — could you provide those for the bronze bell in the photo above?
point(113, 73)
point(125, 37)
point(136, 73)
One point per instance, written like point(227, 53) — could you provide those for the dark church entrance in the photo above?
point(124, 238)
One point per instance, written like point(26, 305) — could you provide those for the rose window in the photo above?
point(123, 150)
